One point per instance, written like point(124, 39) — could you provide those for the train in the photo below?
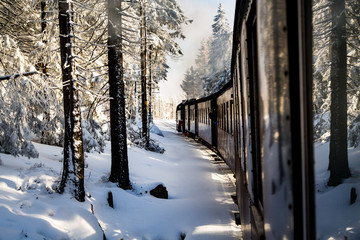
point(260, 122)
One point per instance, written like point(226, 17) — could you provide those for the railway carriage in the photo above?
point(180, 117)
point(225, 125)
point(263, 122)
point(204, 122)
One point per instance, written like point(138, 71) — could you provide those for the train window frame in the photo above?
point(231, 117)
point(227, 117)
point(254, 99)
point(223, 117)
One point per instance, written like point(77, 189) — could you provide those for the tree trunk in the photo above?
point(144, 103)
point(338, 159)
point(41, 65)
point(73, 165)
point(119, 158)
point(150, 85)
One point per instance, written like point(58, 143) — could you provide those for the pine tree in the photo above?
point(219, 54)
point(143, 59)
point(338, 158)
point(119, 158)
point(192, 84)
point(220, 50)
point(73, 164)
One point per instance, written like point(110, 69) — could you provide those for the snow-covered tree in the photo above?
point(202, 58)
point(213, 60)
point(322, 21)
point(192, 84)
point(335, 93)
point(338, 158)
point(73, 163)
point(220, 48)
point(119, 158)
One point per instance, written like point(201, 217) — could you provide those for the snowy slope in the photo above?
point(199, 203)
point(336, 218)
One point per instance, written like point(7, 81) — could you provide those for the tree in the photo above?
point(220, 50)
point(73, 163)
point(338, 158)
point(143, 59)
point(119, 158)
point(213, 60)
point(192, 84)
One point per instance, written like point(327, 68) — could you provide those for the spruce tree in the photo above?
point(119, 158)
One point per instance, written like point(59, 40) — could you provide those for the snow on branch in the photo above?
point(16, 75)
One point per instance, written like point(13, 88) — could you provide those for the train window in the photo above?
point(223, 116)
point(227, 117)
point(219, 116)
point(207, 116)
point(231, 116)
point(336, 118)
point(254, 107)
point(202, 115)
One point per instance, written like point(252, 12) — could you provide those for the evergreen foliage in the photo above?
point(32, 108)
point(323, 26)
point(212, 70)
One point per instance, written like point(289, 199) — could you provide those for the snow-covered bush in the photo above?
point(93, 136)
point(354, 132)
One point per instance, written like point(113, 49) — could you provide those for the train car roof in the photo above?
point(227, 86)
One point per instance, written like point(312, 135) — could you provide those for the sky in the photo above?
point(202, 13)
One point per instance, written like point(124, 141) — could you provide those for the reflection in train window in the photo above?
point(336, 118)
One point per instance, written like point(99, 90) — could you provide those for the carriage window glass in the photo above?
point(227, 117)
point(224, 116)
point(207, 116)
point(336, 117)
point(231, 116)
point(202, 115)
point(219, 116)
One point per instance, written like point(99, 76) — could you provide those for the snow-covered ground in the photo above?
point(336, 217)
point(199, 204)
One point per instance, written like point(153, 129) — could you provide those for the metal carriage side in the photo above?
point(180, 117)
point(204, 121)
point(225, 125)
point(273, 162)
point(190, 116)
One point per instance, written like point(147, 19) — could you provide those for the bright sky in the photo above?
point(202, 12)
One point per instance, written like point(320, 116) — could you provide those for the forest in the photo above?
point(78, 73)
point(212, 69)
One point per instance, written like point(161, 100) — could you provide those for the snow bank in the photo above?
point(199, 206)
